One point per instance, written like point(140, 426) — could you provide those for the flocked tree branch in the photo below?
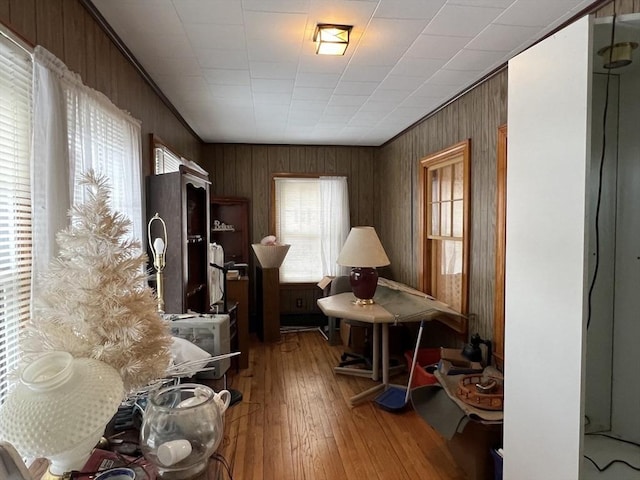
point(94, 300)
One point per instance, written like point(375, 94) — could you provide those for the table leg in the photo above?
point(377, 347)
point(385, 354)
point(376, 352)
point(360, 397)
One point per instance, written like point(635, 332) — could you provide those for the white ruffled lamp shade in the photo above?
point(60, 409)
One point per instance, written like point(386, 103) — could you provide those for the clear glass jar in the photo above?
point(182, 426)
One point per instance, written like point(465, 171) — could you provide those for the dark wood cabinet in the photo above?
point(182, 201)
point(230, 227)
point(238, 294)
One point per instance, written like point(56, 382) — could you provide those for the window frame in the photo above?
point(501, 243)
point(272, 213)
point(459, 152)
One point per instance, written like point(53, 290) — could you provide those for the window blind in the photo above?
point(15, 202)
point(166, 161)
point(298, 214)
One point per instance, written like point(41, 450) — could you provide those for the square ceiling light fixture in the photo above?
point(331, 39)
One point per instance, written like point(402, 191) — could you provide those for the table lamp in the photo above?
point(158, 248)
point(363, 252)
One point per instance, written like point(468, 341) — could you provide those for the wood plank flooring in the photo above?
point(295, 422)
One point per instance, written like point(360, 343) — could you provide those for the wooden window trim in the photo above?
point(442, 158)
point(501, 230)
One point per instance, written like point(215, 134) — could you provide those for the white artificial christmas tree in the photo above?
point(94, 300)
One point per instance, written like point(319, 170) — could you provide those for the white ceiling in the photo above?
point(245, 71)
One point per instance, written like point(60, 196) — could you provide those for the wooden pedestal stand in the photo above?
point(268, 293)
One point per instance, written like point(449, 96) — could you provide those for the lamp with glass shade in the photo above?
point(59, 410)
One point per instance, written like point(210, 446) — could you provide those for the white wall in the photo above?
point(613, 357)
point(545, 263)
point(599, 361)
point(626, 351)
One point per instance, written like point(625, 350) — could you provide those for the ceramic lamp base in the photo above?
point(364, 281)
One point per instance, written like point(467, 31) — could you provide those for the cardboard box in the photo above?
point(471, 449)
point(469, 442)
point(353, 337)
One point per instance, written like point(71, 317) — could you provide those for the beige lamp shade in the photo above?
point(270, 256)
point(363, 249)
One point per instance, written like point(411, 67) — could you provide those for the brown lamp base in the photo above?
point(364, 281)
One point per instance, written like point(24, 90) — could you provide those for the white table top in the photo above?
point(343, 306)
point(391, 306)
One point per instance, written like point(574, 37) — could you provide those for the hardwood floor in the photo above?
point(295, 422)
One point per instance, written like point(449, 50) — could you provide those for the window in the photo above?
point(164, 160)
point(107, 140)
point(15, 202)
point(445, 184)
point(312, 215)
point(77, 129)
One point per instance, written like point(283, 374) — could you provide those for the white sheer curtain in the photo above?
point(334, 222)
point(78, 128)
point(50, 189)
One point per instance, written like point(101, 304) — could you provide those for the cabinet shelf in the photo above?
point(230, 227)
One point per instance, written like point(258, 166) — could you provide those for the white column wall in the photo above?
point(548, 148)
point(626, 354)
point(599, 360)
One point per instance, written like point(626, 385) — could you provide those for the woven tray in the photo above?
point(471, 395)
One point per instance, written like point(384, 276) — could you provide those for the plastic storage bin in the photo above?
point(210, 333)
point(426, 358)
point(497, 464)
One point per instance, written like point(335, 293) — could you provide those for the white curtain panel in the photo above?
point(334, 222)
point(49, 166)
point(78, 128)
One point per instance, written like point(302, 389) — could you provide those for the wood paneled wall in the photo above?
point(65, 28)
point(476, 115)
point(383, 185)
point(621, 7)
point(382, 181)
point(245, 171)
